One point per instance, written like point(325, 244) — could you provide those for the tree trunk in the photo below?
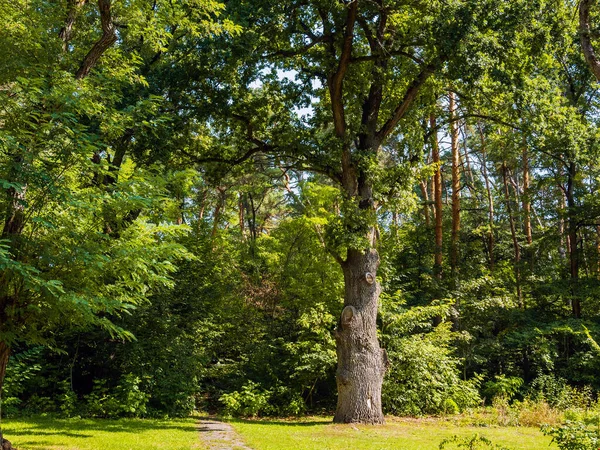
point(526, 199)
point(526, 202)
point(572, 241)
point(490, 197)
point(423, 185)
point(437, 190)
point(585, 36)
point(561, 224)
point(361, 362)
point(455, 188)
point(108, 38)
point(513, 232)
point(4, 354)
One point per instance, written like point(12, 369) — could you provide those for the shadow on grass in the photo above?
point(280, 422)
point(41, 426)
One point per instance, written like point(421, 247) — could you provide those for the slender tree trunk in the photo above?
point(218, 211)
point(561, 225)
point(361, 362)
point(572, 242)
point(4, 355)
point(526, 201)
point(490, 198)
point(423, 185)
point(455, 188)
point(513, 232)
point(241, 218)
point(437, 190)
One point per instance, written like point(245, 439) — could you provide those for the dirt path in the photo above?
point(220, 435)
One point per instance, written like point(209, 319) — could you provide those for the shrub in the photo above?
point(127, 399)
point(425, 378)
point(502, 387)
point(574, 436)
point(248, 402)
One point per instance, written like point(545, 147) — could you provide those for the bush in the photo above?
point(574, 436)
point(127, 400)
point(424, 377)
point(502, 387)
point(248, 402)
point(558, 394)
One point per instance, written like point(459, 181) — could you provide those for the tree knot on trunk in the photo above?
point(348, 316)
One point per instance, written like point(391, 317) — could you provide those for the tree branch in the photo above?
point(585, 37)
point(407, 100)
point(108, 38)
point(66, 31)
point(337, 80)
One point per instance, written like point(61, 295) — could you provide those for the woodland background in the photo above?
point(159, 257)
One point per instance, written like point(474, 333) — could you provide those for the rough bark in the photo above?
point(586, 37)
point(361, 362)
point(437, 189)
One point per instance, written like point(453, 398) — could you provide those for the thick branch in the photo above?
point(108, 38)
point(585, 37)
point(337, 80)
point(407, 100)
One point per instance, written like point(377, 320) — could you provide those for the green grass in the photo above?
point(87, 434)
point(316, 433)
point(403, 434)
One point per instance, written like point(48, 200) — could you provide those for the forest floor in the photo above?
point(313, 433)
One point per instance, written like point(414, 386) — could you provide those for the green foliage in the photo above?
point(125, 400)
point(502, 387)
point(574, 436)
point(474, 442)
point(249, 402)
point(424, 376)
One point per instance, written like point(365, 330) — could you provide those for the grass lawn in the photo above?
point(86, 434)
point(316, 433)
point(396, 434)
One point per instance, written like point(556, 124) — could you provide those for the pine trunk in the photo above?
point(572, 241)
point(437, 190)
point(513, 232)
point(455, 188)
point(490, 197)
point(361, 362)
